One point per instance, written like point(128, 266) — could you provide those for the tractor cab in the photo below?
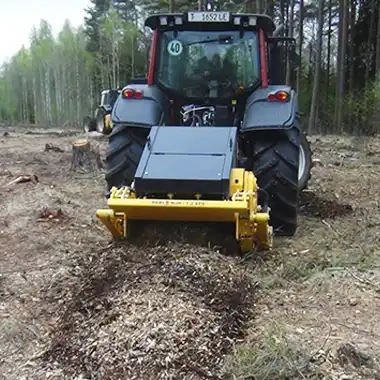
point(204, 69)
point(209, 63)
point(213, 56)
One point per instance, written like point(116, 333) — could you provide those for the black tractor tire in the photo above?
point(124, 151)
point(89, 124)
point(305, 176)
point(275, 162)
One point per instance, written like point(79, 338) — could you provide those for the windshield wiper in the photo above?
point(219, 39)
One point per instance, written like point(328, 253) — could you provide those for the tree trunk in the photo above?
point(299, 76)
point(342, 66)
point(171, 6)
point(314, 101)
point(35, 101)
point(378, 41)
point(351, 61)
point(282, 10)
point(259, 6)
point(328, 69)
point(351, 50)
point(371, 33)
point(290, 34)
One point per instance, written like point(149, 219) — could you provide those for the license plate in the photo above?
point(209, 16)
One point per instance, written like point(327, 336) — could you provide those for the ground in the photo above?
point(74, 305)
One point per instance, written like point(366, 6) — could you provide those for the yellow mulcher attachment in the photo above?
point(251, 223)
point(150, 197)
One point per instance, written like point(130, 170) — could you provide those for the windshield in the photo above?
point(208, 63)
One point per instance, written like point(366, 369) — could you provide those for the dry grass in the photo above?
point(72, 304)
point(320, 290)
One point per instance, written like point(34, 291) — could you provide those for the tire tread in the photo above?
point(125, 148)
point(275, 164)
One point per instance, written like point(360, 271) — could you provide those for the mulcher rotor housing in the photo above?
point(213, 132)
point(195, 179)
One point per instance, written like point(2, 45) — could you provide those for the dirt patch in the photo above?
point(317, 206)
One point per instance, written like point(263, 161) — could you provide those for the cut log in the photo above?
point(84, 156)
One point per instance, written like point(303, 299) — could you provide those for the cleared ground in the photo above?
point(74, 305)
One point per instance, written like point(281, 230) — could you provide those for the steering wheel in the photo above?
point(198, 82)
point(225, 83)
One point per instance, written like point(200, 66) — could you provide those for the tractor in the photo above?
point(213, 134)
point(101, 121)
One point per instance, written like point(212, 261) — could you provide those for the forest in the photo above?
point(57, 80)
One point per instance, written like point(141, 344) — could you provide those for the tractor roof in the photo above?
point(181, 20)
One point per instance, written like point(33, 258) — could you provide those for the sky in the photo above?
point(19, 16)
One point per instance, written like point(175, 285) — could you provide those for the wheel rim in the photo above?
point(100, 125)
point(302, 163)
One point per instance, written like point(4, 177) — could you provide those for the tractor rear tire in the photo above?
point(89, 124)
point(124, 151)
point(275, 165)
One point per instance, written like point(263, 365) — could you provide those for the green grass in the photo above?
point(274, 358)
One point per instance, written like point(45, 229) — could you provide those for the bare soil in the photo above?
point(75, 305)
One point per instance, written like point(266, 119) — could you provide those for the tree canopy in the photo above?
point(58, 79)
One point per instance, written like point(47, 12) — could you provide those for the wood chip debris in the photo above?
point(161, 312)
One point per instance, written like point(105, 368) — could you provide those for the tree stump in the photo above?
point(85, 157)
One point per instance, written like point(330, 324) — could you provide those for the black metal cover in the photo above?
point(187, 160)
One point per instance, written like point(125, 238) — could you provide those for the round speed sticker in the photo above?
point(175, 47)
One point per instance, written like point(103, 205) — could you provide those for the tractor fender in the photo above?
point(151, 109)
point(261, 114)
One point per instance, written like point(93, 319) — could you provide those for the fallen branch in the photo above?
point(24, 178)
point(51, 147)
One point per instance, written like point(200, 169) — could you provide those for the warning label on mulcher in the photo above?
point(178, 203)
